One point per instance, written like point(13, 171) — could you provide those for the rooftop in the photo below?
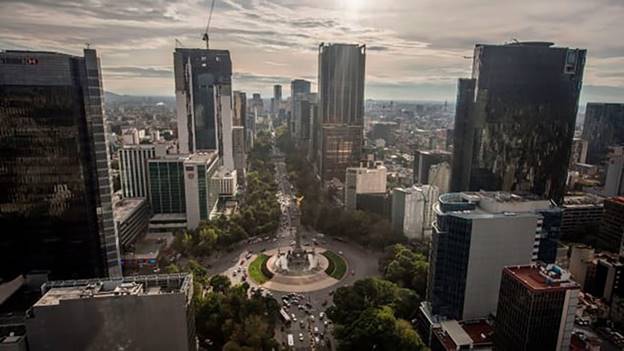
point(581, 200)
point(542, 278)
point(57, 291)
point(454, 335)
point(202, 157)
point(123, 208)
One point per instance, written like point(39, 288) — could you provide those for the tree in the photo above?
point(220, 283)
point(406, 268)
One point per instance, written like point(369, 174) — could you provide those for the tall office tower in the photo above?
point(257, 105)
point(55, 195)
point(299, 88)
point(369, 178)
point(341, 70)
point(424, 160)
point(200, 195)
point(515, 118)
point(474, 236)
point(276, 101)
point(603, 127)
point(202, 78)
point(313, 141)
point(225, 124)
point(412, 210)
point(133, 167)
point(114, 314)
point(612, 225)
point(304, 119)
point(536, 309)
point(614, 182)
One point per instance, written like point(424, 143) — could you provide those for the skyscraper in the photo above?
point(515, 119)
point(203, 81)
point(603, 127)
point(299, 89)
point(276, 101)
point(133, 167)
point(341, 107)
point(55, 187)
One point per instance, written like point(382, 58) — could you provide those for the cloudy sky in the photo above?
point(416, 48)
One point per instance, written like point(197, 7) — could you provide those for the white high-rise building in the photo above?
point(200, 194)
point(133, 167)
point(614, 182)
point(369, 178)
point(440, 176)
point(412, 210)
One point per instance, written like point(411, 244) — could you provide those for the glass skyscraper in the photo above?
point(55, 189)
point(515, 119)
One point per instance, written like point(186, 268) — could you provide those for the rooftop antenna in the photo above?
point(88, 45)
point(205, 36)
point(178, 43)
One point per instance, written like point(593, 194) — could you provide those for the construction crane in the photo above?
point(205, 36)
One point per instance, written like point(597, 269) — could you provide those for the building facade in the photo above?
point(200, 195)
point(536, 309)
point(612, 225)
point(603, 127)
point(133, 167)
point(299, 89)
point(614, 181)
point(132, 217)
point(474, 236)
point(125, 313)
point(56, 208)
point(424, 160)
point(515, 119)
point(370, 177)
point(412, 210)
point(341, 70)
point(166, 179)
point(202, 78)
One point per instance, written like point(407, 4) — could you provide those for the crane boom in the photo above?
point(205, 37)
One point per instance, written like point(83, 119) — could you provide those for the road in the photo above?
point(361, 263)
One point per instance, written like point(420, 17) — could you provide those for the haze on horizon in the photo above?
point(416, 49)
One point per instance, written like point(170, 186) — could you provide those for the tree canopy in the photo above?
point(406, 268)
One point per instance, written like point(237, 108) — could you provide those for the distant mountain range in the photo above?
point(112, 98)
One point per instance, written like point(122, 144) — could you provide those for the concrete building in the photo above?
point(424, 160)
point(130, 136)
point(224, 182)
point(203, 80)
point(341, 107)
point(579, 151)
point(612, 226)
point(580, 257)
point(238, 149)
point(133, 167)
point(56, 197)
point(536, 309)
point(139, 313)
point(614, 182)
point(603, 127)
point(440, 176)
point(475, 235)
point(132, 219)
point(412, 210)
point(581, 216)
point(520, 138)
point(452, 335)
point(370, 177)
point(200, 195)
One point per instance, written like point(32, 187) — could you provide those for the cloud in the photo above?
point(416, 45)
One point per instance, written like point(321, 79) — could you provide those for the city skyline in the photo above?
point(416, 50)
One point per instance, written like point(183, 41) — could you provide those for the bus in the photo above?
point(285, 316)
point(291, 340)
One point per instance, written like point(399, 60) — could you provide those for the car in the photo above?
point(292, 315)
point(340, 252)
point(325, 323)
point(312, 318)
point(316, 330)
point(300, 336)
point(322, 315)
point(242, 262)
point(352, 272)
point(300, 307)
point(234, 274)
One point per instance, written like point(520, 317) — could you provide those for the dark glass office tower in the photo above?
point(603, 127)
point(515, 118)
point(299, 89)
point(55, 191)
point(201, 76)
point(341, 69)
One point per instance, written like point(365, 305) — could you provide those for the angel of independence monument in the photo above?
point(297, 261)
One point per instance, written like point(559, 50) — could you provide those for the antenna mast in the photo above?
point(205, 36)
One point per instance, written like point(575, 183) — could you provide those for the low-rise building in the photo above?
point(536, 309)
point(452, 335)
point(152, 312)
point(132, 219)
point(368, 178)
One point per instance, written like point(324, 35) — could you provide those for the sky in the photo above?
point(416, 49)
